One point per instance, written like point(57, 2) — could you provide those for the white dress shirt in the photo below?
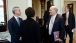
point(67, 14)
point(51, 23)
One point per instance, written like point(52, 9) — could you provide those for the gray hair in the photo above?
point(14, 9)
point(56, 10)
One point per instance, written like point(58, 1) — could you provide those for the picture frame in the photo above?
point(70, 7)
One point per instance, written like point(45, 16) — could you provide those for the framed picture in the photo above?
point(70, 7)
point(51, 2)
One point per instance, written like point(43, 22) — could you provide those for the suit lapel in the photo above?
point(65, 16)
point(55, 20)
point(15, 21)
point(69, 16)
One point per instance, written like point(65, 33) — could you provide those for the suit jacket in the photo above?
point(46, 16)
point(58, 26)
point(14, 29)
point(71, 20)
point(30, 31)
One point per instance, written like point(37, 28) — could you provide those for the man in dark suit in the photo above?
point(69, 21)
point(46, 17)
point(55, 23)
point(13, 25)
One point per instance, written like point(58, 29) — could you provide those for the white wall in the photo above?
point(23, 4)
point(59, 4)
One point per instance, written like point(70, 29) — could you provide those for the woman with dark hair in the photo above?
point(29, 28)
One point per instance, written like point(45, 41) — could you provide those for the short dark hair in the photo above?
point(67, 7)
point(30, 12)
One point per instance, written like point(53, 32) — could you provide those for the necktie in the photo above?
point(18, 21)
point(51, 25)
point(66, 22)
point(52, 20)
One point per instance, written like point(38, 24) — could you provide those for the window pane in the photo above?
point(1, 12)
point(1, 2)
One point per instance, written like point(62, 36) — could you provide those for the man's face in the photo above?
point(18, 12)
point(66, 9)
point(52, 11)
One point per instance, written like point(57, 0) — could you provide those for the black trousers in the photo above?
point(45, 34)
point(69, 32)
point(51, 39)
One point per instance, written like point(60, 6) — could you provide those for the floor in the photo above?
point(67, 40)
point(6, 35)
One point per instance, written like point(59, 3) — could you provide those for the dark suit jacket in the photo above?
point(71, 20)
point(30, 31)
point(46, 16)
point(14, 29)
point(58, 26)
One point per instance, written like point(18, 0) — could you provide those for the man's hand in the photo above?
point(73, 29)
point(59, 40)
point(20, 38)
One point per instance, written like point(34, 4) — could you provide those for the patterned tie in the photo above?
point(18, 21)
point(66, 22)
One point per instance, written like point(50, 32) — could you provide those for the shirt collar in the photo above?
point(16, 17)
point(54, 15)
point(67, 12)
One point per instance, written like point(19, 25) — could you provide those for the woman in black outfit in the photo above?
point(29, 28)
